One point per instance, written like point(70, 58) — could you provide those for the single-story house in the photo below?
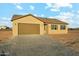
point(30, 24)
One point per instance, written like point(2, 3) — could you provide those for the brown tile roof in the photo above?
point(16, 17)
point(51, 21)
point(45, 20)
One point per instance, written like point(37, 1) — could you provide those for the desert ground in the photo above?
point(70, 40)
point(5, 35)
point(50, 45)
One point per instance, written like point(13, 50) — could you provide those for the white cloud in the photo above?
point(54, 9)
point(42, 15)
point(57, 6)
point(71, 18)
point(66, 17)
point(32, 7)
point(48, 5)
point(51, 7)
point(66, 14)
point(18, 6)
point(68, 20)
point(51, 17)
point(35, 14)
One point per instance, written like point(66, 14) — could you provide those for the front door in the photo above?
point(45, 28)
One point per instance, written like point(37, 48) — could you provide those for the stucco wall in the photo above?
point(58, 31)
point(28, 19)
point(15, 28)
point(32, 20)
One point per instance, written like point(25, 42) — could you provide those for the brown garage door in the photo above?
point(24, 28)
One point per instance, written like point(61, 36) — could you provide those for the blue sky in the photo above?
point(66, 12)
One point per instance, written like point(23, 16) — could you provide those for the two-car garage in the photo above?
point(25, 28)
point(27, 24)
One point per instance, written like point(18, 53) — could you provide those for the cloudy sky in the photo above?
point(66, 12)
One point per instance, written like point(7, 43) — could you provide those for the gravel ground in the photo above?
point(35, 45)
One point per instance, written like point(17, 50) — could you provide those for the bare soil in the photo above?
point(55, 44)
point(36, 45)
point(71, 39)
point(5, 35)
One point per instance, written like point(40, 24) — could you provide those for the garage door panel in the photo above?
point(28, 28)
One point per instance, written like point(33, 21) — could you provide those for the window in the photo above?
point(62, 27)
point(54, 27)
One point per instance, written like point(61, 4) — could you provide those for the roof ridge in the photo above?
point(45, 20)
point(20, 16)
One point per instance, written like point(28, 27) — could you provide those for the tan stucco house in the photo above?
point(29, 24)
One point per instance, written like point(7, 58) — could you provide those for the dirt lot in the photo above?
point(71, 39)
point(57, 44)
point(5, 34)
point(36, 45)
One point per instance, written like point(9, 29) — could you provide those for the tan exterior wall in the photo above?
point(42, 29)
point(28, 19)
point(15, 29)
point(32, 20)
point(58, 31)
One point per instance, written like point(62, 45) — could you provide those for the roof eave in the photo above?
point(39, 19)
